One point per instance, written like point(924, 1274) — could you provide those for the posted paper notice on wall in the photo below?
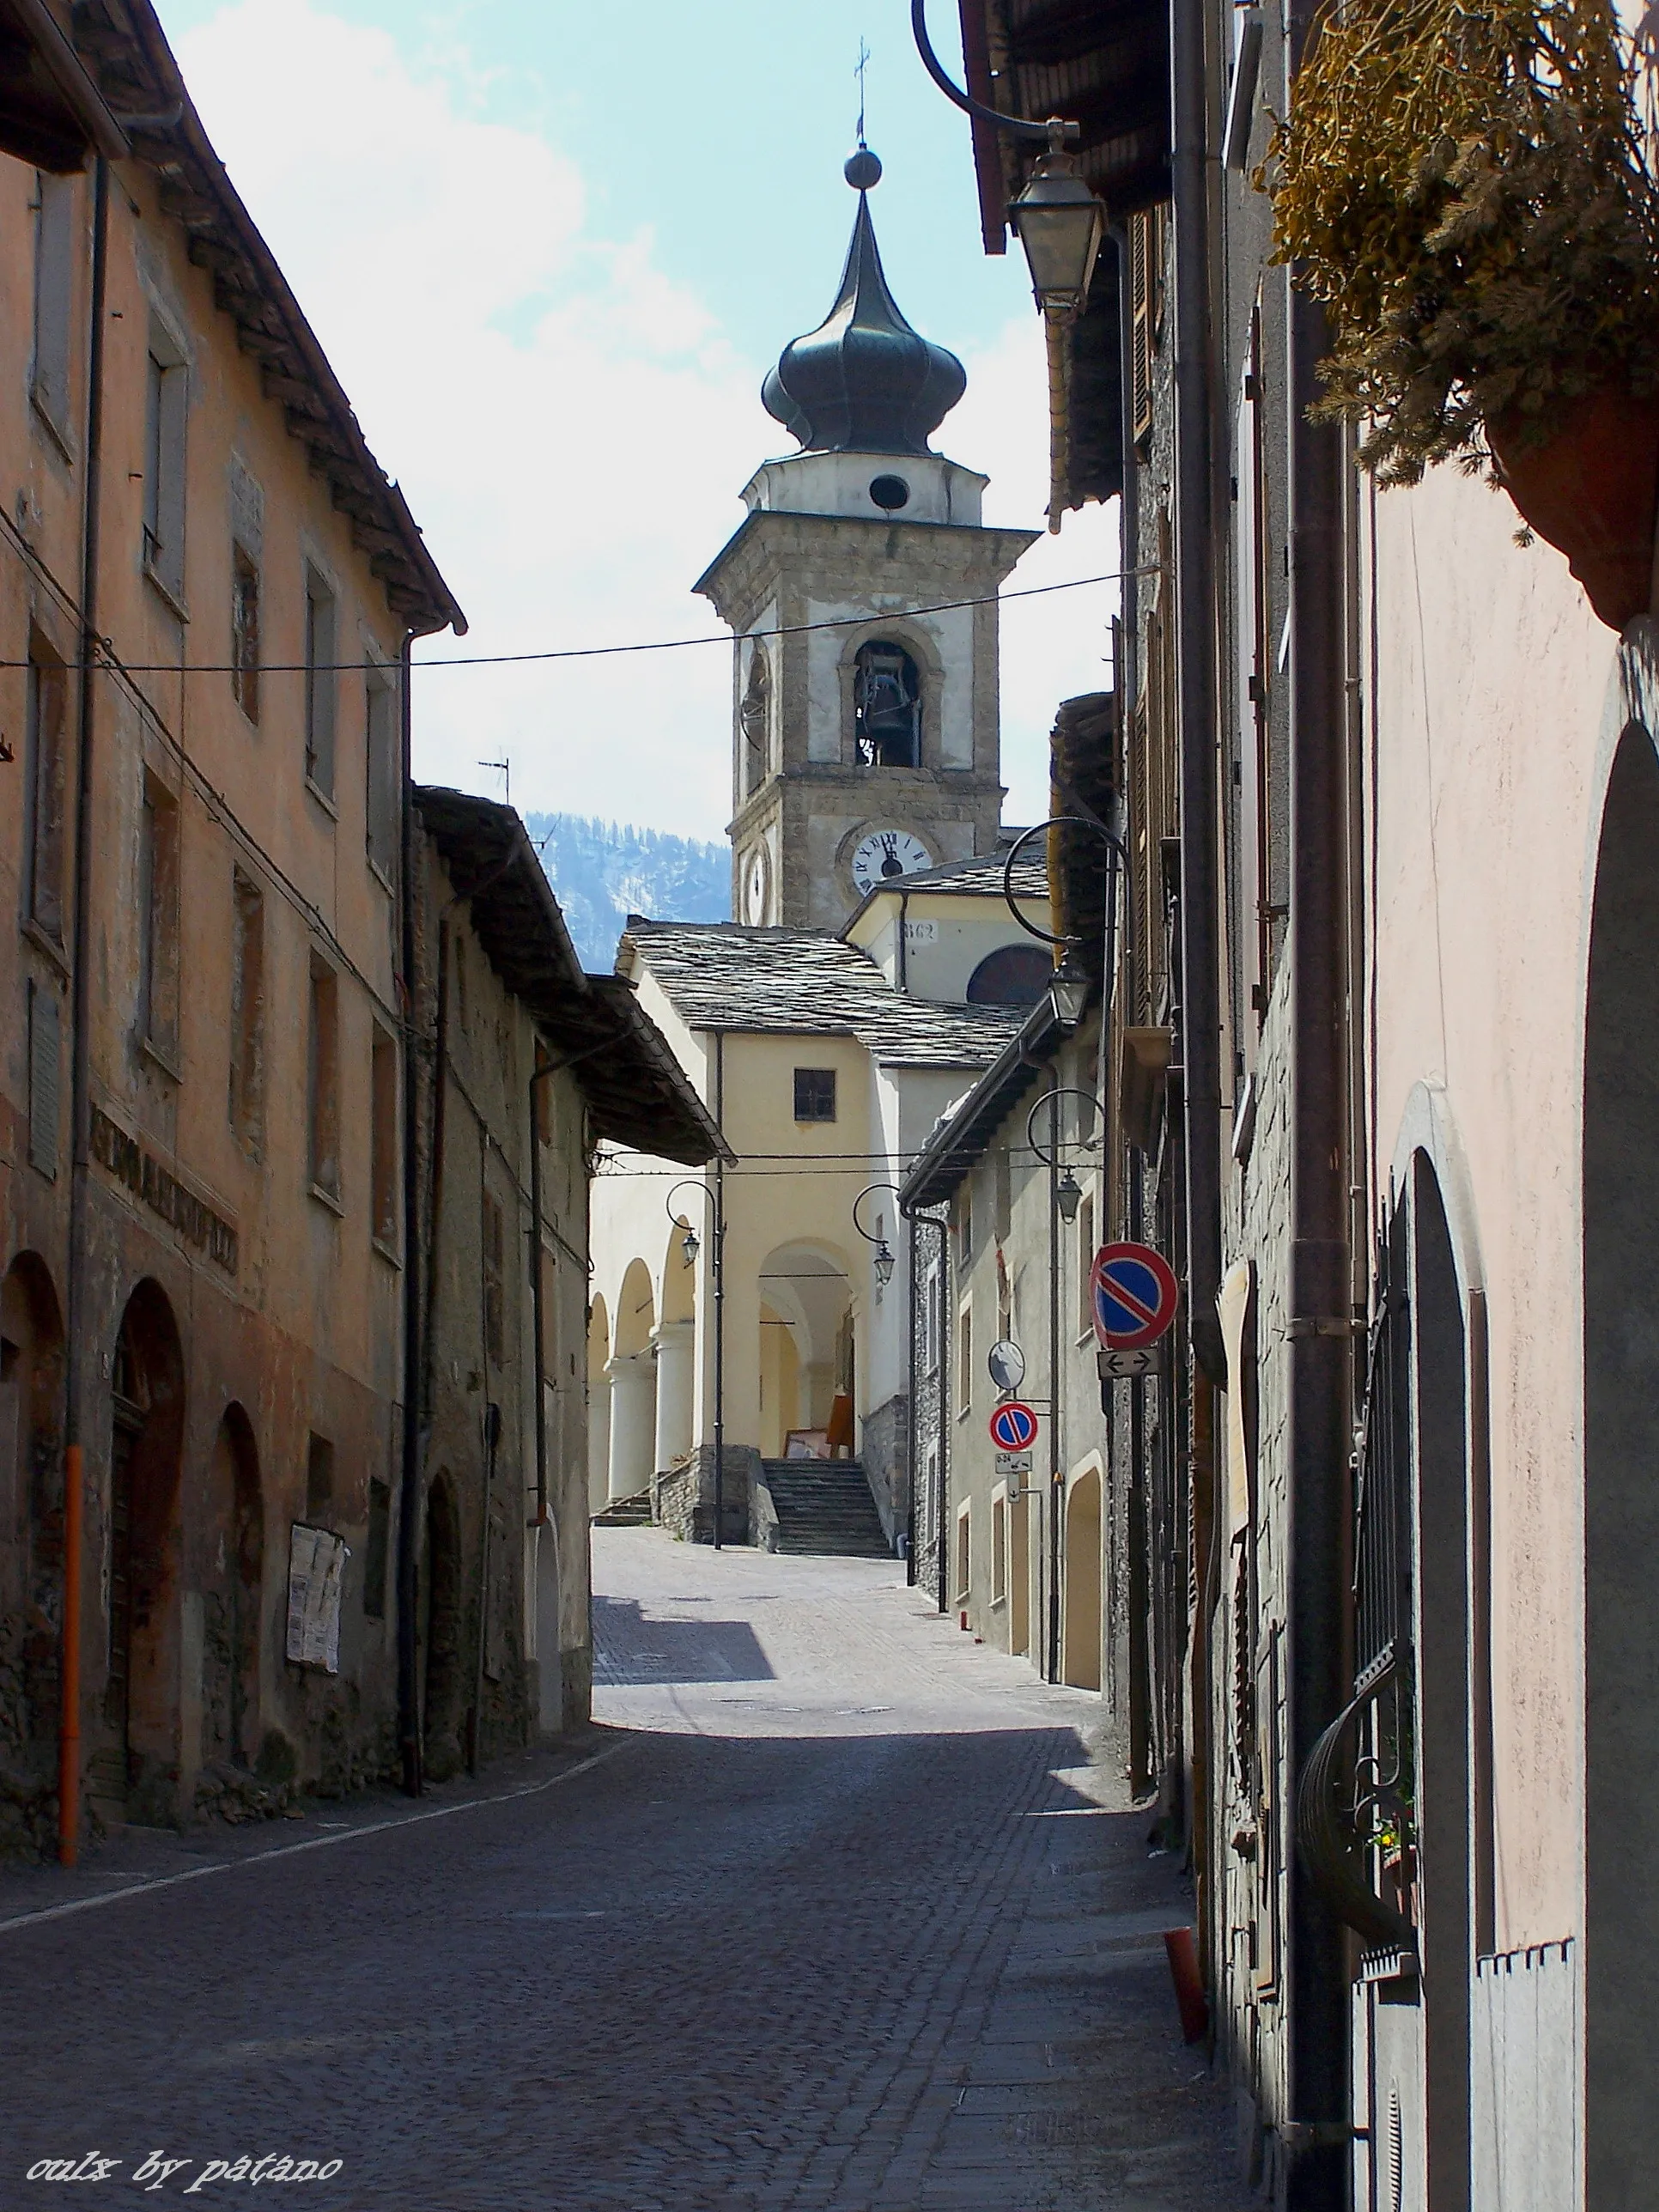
point(316, 1570)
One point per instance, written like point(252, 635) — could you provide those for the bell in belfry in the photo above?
point(886, 695)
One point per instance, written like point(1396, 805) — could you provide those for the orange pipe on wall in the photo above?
point(69, 1731)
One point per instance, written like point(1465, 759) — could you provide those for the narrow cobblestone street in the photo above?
point(836, 1910)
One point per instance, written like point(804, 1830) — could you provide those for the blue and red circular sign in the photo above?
point(1013, 1426)
point(1134, 1294)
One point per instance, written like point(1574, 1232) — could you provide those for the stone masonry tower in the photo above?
point(869, 749)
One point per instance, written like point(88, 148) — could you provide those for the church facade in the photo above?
point(873, 967)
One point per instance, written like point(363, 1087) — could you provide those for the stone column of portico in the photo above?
point(599, 1439)
point(675, 1343)
point(633, 1424)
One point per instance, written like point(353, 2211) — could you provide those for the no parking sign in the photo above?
point(1013, 1426)
point(1134, 1294)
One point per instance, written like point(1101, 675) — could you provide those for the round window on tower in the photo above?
point(891, 492)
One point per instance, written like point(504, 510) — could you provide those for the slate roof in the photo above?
point(804, 982)
point(979, 877)
point(636, 1091)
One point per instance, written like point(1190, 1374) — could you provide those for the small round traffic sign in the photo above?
point(1013, 1426)
point(1134, 1294)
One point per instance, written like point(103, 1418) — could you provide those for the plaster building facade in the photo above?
point(220, 1555)
point(200, 975)
point(1371, 1079)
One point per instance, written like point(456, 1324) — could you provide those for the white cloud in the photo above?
point(569, 424)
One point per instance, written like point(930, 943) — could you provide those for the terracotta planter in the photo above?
point(1592, 491)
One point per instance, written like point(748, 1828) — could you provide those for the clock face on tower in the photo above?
point(886, 854)
point(757, 881)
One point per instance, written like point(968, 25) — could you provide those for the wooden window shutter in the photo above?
point(1141, 335)
point(44, 1025)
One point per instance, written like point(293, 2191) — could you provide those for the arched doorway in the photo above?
point(807, 1347)
point(598, 1405)
point(633, 1372)
point(31, 1462)
point(1080, 1664)
point(675, 1349)
point(1441, 1548)
point(141, 1708)
point(444, 1617)
point(232, 1589)
point(1621, 1496)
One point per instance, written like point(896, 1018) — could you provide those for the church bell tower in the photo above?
point(862, 590)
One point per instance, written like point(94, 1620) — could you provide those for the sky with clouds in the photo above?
point(551, 250)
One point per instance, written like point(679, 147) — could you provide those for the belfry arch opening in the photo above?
point(886, 706)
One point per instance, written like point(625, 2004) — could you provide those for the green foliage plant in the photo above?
point(1467, 185)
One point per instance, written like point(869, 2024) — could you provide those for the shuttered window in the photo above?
point(44, 1059)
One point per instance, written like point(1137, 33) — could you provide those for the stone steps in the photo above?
point(626, 1512)
point(825, 1508)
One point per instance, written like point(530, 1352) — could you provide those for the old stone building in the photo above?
point(230, 1250)
point(527, 1064)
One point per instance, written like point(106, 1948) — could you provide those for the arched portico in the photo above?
point(1080, 1664)
point(1621, 1498)
point(31, 1462)
point(144, 1668)
point(632, 1375)
point(598, 1405)
point(806, 1359)
point(675, 1346)
point(232, 1589)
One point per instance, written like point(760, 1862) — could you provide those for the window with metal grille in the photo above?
point(44, 738)
point(54, 267)
point(495, 1283)
point(165, 414)
point(380, 749)
point(244, 632)
point(815, 1094)
point(322, 683)
point(247, 1014)
point(44, 1067)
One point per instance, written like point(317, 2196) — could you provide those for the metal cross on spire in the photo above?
point(863, 63)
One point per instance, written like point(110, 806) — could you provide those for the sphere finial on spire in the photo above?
point(862, 168)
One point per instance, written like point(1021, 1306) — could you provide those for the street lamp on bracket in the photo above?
point(883, 1262)
point(1056, 218)
point(1068, 986)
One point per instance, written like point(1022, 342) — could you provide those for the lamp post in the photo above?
point(884, 1263)
point(1056, 218)
point(691, 1245)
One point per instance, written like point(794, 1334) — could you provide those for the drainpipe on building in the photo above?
point(409, 1502)
point(720, 1291)
point(1055, 1485)
point(1195, 590)
point(76, 1318)
point(1320, 1329)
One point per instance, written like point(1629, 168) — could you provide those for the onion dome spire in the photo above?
point(863, 381)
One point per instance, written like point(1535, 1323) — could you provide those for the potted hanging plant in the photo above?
point(1467, 187)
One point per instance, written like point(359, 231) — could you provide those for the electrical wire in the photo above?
point(583, 652)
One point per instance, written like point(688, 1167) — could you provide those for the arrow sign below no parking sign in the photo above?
point(1134, 1295)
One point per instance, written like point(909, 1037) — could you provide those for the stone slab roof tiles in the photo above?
point(804, 982)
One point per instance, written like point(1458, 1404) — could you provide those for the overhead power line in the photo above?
point(110, 659)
